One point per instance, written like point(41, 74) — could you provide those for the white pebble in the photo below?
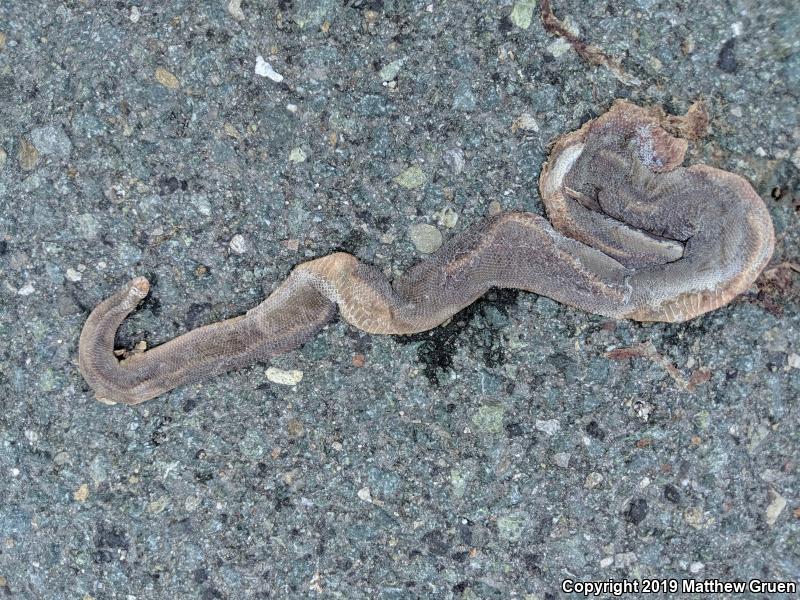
point(793, 360)
point(364, 494)
point(235, 9)
point(696, 567)
point(238, 244)
point(281, 377)
point(297, 155)
point(135, 15)
point(73, 275)
point(525, 122)
point(775, 507)
point(559, 47)
point(454, 159)
point(26, 290)
point(549, 427)
point(593, 479)
point(265, 69)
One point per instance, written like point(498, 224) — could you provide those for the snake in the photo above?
point(630, 233)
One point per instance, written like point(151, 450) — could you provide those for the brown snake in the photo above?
point(633, 236)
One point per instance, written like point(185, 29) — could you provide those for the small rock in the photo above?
point(525, 122)
point(365, 494)
point(135, 15)
point(27, 155)
point(655, 64)
point(464, 100)
point(2, 40)
point(454, 159)
point(793, 360)
point(252, 444)
point(606, 562)
point(73, 275)
point(26, 290)
point(696, 518)
point(775, 507)
point(559, 47)
point(448, 217)
point(561, 459)
point(796, 157)
point(672, 493)
point(411, 178)
point(230, 130)
point(458, 480)
point(51, 140)
point(391, 70)
point(264, 69)
point(696, 567)
point(81, 494)
point(235, 9)
point(297, 155)
point(238, 244)
point(167, 79)
point(522, 13)
point(643, 409)
point(494, 208)
point(687, 45)
point(636, 511)
point(295, 428)
point(489, 419)
point(191, 503)
point(158, 506)
point(726, 61)
point(3, 157)
point(510, 527)
point(426, 238)
point(281, 377)
point(88, 226)
point(549, 427)
point(593, 479)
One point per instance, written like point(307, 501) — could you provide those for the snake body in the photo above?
point(632, 235)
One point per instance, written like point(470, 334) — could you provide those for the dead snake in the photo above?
point(632, 235)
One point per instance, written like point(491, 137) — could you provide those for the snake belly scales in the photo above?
point(631, 235)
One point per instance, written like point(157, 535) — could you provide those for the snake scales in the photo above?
point(632, 235)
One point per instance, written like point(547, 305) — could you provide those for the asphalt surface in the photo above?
point(211, 146)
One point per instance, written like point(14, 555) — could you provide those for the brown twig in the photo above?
point(589, 52)
point(648, 350)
